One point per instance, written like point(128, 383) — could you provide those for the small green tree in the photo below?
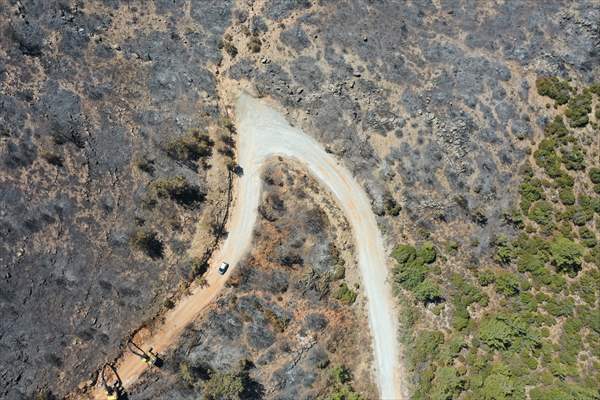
point(428, 292)
point(447, 384)
point(566, 255)
point(594, 174)
point(404, 253)
point(556, 89)
point(223, 386)
point(427, 252)
point(507, 283)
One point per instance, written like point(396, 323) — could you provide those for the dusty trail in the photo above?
point(262, 134)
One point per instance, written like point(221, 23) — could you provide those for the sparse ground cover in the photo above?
point(292, 322)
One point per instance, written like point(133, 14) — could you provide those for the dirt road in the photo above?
point(262, 134)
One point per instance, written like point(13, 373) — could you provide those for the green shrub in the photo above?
point(583, 212)
point(507, 283)
point(501, 331)
point(427, 252)
point(340, 374)
point(147, 242)
point(563, 391)
point(186, 373)
point(531, 190)
point(594, 174)
point(578, 109)
point(588, 239)
point(452, 246)
point(573, 158)
point(546, 157)
point(564, 181)
point(498, 386)
point(223, 386)
point(567, 197)
point(428, 292)
point(410, 275)
point(503, 253)
point(566, 255)
point(558, 307)
point(345, 295)
point(197, 267)
point(595, 204)
point(460, 314)
point(528, 262)
point(425, 347)
point(486, 277)
point(552, 87)
point(514, 217)
point(542, 213)
point(190, 147)
point(339, 273)
point(404, 253)
point(447, 384)
point(557, 127)
point(344, 392)
point(177, 189)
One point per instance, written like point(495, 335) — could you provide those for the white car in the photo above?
point(223, 268)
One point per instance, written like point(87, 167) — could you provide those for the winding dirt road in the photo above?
point(262, 134)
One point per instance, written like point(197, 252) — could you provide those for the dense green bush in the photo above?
point(573, 158)
point(563, 391)
point(486, 277)
point(594, 174)
point(567, 197)
point(504, 250)
point(425, 347)
point(501, 331)
point(428, 292)
point(498, 384)
point(404, 253)
point(557, 127)
point(223, 386)
point(531, 190)
point(447, 384)
point(528, 262)
point(507, 283)
point(427, 252)
point(578, 109)
point(542, 213)
point(588, 238)
point(410, 275)
point(546, 157)
point(344, 294)
point(564, 181)
point(566, 255)
point(556, 89)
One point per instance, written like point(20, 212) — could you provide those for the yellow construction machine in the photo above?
point(149, 357)
point(113, 391)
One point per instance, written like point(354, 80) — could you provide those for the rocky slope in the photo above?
point(96, 106)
